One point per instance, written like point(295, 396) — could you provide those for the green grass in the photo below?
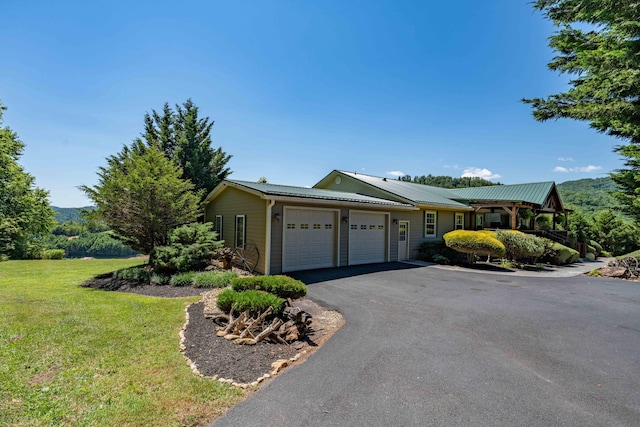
point(635, 254)
point(84, 357)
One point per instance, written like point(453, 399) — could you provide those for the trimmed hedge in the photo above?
point(474, 243)
point(519, 245)
point(214, 279)
point(282, 286)
point(135, 274)
point(564, 255)
point(53, 254)
point(597, 246)
point(254, 301)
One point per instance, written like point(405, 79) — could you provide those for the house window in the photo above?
point(459, 223)
point(217, 226)
point(241, 230)
point(430, 223)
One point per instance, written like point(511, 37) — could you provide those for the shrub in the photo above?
point(282, 286)
point(159, 279)
point(191, 247)
point(135, 274)
point(214, 279)
point(474, 243)
point(597, 246)
point(519, 246)
point(254, 301)
point(562, 254)
point(53, 254)
point(595, 273)
point(441, 259)
point(182, 279)
point(606, 254)
point(590, 256)
point(428, 251)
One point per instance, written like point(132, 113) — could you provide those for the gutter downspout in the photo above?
point(267, 250)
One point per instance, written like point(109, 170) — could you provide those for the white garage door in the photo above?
point(367, 237)
point(309, 239)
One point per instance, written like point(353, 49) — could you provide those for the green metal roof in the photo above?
point(314, 193)
point(416, 193)
point(535, 193)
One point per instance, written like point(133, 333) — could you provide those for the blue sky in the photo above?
point(296, 88)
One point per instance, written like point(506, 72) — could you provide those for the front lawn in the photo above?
point(78, 356)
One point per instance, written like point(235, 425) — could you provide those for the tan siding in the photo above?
point(276, 239)
point(232, 202)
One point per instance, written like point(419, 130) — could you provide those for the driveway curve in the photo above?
point(430, 347)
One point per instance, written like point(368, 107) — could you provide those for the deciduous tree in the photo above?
point(141, 196)
point(25, 214)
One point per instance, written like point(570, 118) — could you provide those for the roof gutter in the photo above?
point(334, 202)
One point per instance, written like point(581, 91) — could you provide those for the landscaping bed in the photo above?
point(217, 357)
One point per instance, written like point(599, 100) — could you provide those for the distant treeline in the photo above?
point(70, 214)
point(448, 181)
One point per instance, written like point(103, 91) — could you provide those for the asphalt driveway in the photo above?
point(424, 346)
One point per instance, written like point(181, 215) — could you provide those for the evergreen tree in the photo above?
point(141, 197)
point(186, 138)
point(25, 213)
point(599, 43)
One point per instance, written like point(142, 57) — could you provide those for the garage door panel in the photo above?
point(309, 239)
point(367, 237)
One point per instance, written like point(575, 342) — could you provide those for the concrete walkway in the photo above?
point(570, 270)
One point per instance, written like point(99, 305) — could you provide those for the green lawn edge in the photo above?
point(79, 356)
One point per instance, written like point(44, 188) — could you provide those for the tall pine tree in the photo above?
point(598, 43)
point(186, 138)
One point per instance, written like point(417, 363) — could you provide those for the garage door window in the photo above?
point(240, 230)
point(430, 224)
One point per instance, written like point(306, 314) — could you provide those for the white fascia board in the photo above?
point(331, 202)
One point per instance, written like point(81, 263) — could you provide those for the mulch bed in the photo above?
point(216, 356)
point(211, 354)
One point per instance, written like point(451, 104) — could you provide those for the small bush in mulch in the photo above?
point(282, 286)
point(214, 279)
point(158, 279)
point(254, 301)
point(135, 274)
point(182, 279)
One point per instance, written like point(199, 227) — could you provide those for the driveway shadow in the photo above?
point(316, 276)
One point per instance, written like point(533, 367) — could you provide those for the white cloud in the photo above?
point(565, 159)
point(590, 168)
point(479, 173)
point(396, 173)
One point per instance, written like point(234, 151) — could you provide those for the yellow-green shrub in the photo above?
point(519, 245)
point(563, 254)
point(474, 242)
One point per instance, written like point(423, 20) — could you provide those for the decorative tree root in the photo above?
point(291, 326)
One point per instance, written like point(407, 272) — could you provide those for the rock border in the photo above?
point(277, 366)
